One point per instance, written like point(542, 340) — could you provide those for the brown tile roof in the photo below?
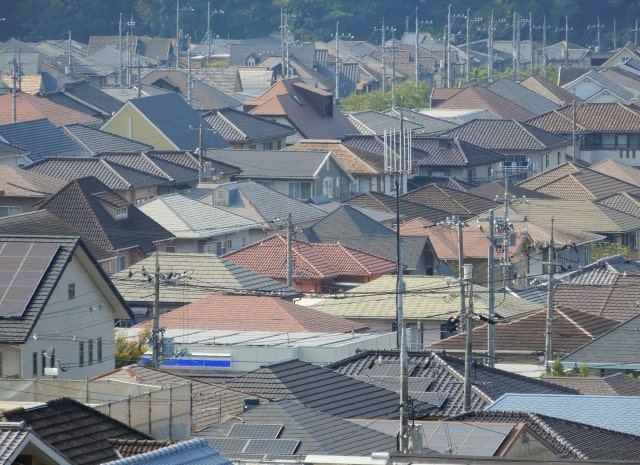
point(600, 117)
point(534, 182)
point(31, 107)
point(348, 157)
point(440, 95)
point(310, 260)
point(388, 203)
point(618, 384)
point(28, 84)
point(571, 329)
point(450, 200)
point(131, 447)
point(617, 301)
point(253, 313)
point(549, 90)
point(625, 173)
point(476, 96)
point(16, 182)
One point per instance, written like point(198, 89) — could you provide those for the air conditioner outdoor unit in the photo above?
point(51, 371)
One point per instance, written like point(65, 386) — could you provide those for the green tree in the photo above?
point(557, 368)
point(407, 96)
point(608, 250)
point(584, 371)
point(130, 351)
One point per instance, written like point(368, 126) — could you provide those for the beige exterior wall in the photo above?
point(130, 124)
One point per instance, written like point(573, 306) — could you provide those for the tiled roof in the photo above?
point(10, 151)
point(618, 384)
point(117, 177)
point(426, 298)
point(309, 260)
point(31, 107)
point(189, 452)
point(316, 432)
point(177, 170)
point(618, 170)
point(41, 139)
point(84, 204)
point(408, 209)
point(616, 349)
point(322, 389)
point(526, 98)
point(476, 96)
point(549, 90)
point(566, 438)
point(571, 329)
point(377, 123)
point(507, 135)
point(596, 79)
point(225, 79)
point(452, 152)
point(439, 378)
point(495, 189)
point(96, 141)
point(132, 447)
point(211, 402)
point(616, 413)
point(351, 159)
point(41, 222)
point(207, 274)
point(590, 117)
point(347, 221)
point(272, 314)
point(238, 126)
point(535, 182)
point(186, 218)
point(621, 201)
point(430, 125)
point(175, 124)
point(84, 92)
point(16, 182)
point(450, 200)
point(79, 432)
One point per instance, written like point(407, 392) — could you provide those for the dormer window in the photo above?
point(251, 62)
point(122, 213)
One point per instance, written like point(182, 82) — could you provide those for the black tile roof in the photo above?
point(84, 92)
point(238, 126)
point(41, 138)
point(79, 432)
point(97, 141)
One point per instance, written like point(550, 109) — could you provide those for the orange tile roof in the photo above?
point(31, 107)
point(254, 313)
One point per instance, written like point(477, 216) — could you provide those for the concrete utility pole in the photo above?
point(491, 344)
point(490, 50)
point(393, 68)
point(289, 252)
point(598, 27)
point(155, 332)
point(209, 32)
point(548, 352)
point(468, 352)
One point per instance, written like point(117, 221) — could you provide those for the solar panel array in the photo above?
point(253, 431)
point(272, 446)
point(22, 267)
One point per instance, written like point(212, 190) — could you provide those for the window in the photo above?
point(34, 361)
point(71, 291)
point(252, 147)
point(121, 213)
point(267, 146)
point(300, 190)
point(559, 159)
point(327, 187)
point(43, 360)
point(1, 370)
point(121, 263)
point(269, 184)
point(99, 349)
point(279, 144)
point(90, 354)
point(622, 141)
point(8, 211)
point(546, 160)
point(170, 248)
point(81, 353)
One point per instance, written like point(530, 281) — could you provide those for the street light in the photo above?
point(178, 11)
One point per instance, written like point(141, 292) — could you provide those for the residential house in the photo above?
point(438, 378)
point(21, 190)
point(58, 309)
point(449, 156)
point(520, 344)
point(496, 190)
point(352, 227)
point(611, 352)
point(594, 87)
point(431, 125)
point(90, 96)
point(39, 139)
point(525, 97)
point(429, 302)
point(99, 213)
point(245, 131)
point(625, 74)
point(11, 155)
point(550, 91)
point(308, 110)
point(254, 200)
point(456, 202)
point(27, 446)
point(611, 412)
point(166, 122)
point(475, 97)
point(302, 175)
point(159, 49)
point(600, 130)
point(295, 431)
point(97, 142)
point(197, 275)
point(76, 431)
point(312, 267)
point(199, 227)
point(31, 107)
point(387, 203)
point(201, 96)
point(567, 55)
point(615, 169)
point(527, 149)
point(366, 168)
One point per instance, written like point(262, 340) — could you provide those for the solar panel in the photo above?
point(23, 266)
point(228, 445)
point(253, 431)
point(272, 446)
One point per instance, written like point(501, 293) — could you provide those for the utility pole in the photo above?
point(393, 68)
point(505, 235)
point(209, 16)
point(155, 332)
point(531, 55)
point(120, 50)
point(598, 27)
point(491, 343)
point(337, 93)
point(201, 148)
point(14, 88)
point(566, 30)
point(548, 353)
point(468, 352)
point(289, 252)
point(384, 56)
point(490, 50)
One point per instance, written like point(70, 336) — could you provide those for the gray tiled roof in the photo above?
point(445, 375)
point(81, 205)
point(377, 123)
point(323, 389)
point(175, 118)
point(79, 432)
point(453, 201)
point(189, 452)
point(430, 125)
point(618, 384)
point(453, 152)
point(154, 165)
point(41, 138)
point(238, 126)
point(96, 141)
point(347, 222)
point(84, 92)
point(617, 413)
point(514, 91)
point(408, 209)
point(317, 431)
